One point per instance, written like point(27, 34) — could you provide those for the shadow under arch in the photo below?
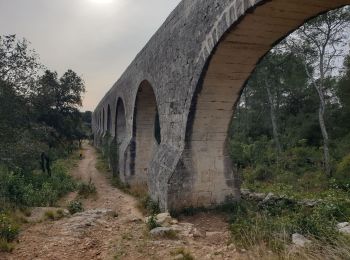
point(146, 133)
point(109, 119)
point(119, 138)
point(205, 175)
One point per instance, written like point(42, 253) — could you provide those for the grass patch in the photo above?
point(54, 215)
point(182, 251)
point(9, 231)
point(6, 246)
point(171, 235)
point(272, 225)
point(86, 190)
point(152, 222)
point(75, 206)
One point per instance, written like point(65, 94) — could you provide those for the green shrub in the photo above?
point(152, 222)
point(181, 251)
point(342, 174)
point(5, 246)
point(261, 173)
point(75, 207)
point(85, 190)
point(50, 215)
point(148, 206)
point(35, 188)
point(8, 229)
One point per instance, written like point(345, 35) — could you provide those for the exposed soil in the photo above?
point(97, 233)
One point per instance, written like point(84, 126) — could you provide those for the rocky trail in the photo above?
point(111, 227)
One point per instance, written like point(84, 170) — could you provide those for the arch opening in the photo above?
point(206, 162)
point(120, 122)
point(116, 144)
point(109, 120)
point(146, 133)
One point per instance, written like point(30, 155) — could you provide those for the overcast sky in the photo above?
point(96, 38)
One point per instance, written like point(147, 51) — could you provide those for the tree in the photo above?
point(19, 65)
point(320, 43)
point(57, 101)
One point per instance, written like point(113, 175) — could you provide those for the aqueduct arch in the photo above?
point(144, 132)
point(200, 59)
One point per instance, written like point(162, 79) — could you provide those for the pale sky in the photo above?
point(97, 39)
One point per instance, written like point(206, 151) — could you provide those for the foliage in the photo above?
point(35, 189)
point(8, 229)
point(75, 206)
point(54, 215)
point(86, 190)
point(181, 251)
point(273, 224)
point(152, 222)
point(342, 175)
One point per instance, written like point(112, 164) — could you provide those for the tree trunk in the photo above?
point(273, 118)
point(321, 113)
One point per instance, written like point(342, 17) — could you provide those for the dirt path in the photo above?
point(97, 233)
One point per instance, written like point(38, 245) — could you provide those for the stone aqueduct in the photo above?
point(171, 109)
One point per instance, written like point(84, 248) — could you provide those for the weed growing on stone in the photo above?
point(152, 222)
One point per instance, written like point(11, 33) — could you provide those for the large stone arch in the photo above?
point(206, 175)
point(198, 63)
point(145, 133)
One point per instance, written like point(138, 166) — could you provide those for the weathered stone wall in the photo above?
point(198, 63)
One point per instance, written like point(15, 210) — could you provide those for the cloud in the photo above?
point(97, 40)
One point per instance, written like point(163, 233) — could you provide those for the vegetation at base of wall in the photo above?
point(152, 222)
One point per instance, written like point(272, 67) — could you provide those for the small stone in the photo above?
point(268, 197)
point(196, 233)
point(345, 230)
point(300, 240)
point(179, 256)
point(136, 220)
point(174, 221)
point(212, 234)
point(160, 231)
point(164, 219)
point(342, 225)
point(257, 196)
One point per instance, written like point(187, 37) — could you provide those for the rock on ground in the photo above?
point(344, 227)
point(300, 240)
